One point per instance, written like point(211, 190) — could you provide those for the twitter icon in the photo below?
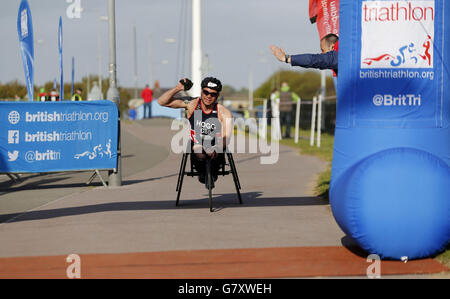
point(13, 156)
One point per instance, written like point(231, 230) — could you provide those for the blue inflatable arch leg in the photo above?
point(390, 186)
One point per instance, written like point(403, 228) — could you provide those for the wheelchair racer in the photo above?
point(211, 123)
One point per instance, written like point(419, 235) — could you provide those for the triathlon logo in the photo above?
point(407, 54)
point(97, 152)
point(409, 44)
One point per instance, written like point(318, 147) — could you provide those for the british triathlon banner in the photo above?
point(397, 54)
point(390, 175)
point(25, 31)
point(326, 14)
point(59, 136)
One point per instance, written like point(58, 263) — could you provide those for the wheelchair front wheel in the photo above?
point(209, 181)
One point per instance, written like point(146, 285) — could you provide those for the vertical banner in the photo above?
point(399, 79)
point(60, 49)
point(73, 76)
point(26, 41)
point(326, 14)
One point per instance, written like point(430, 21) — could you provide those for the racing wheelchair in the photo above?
point(224, 169)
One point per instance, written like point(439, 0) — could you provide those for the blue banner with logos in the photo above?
point(399, 75)
point(26, 41)
point(58, 136)
point(392, 87)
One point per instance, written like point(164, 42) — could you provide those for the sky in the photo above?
point(236, 35)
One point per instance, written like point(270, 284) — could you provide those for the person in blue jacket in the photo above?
point(328, 59)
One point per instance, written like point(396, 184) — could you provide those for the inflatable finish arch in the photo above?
point(390, 185)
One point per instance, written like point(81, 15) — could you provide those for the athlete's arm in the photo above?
point(322, 61)
point(168, 99)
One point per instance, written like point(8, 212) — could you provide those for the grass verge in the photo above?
point(444, 258)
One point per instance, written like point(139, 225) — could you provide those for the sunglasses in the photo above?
point(207, 93)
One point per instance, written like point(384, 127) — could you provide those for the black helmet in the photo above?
point(212, 83)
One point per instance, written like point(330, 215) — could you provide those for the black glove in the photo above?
point(187, 84)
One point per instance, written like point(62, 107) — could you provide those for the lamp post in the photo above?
point(38, 42)
point(250, 90)
point(170, 40)
point(136, 79)
point(101, 19)
point(115, 177)
point(150, 77)
point(196, 58)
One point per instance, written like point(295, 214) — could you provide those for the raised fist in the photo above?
point(186, 83)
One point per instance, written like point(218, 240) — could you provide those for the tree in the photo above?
point(11, 89)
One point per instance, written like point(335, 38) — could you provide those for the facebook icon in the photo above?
point(13, 137)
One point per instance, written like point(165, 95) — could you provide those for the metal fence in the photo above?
point(328, 115)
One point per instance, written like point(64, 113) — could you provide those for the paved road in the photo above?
point(57, 215)
point(141, 216)
point(39, 189)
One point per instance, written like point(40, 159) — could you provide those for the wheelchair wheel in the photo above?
point(235, 176)
point(180, 177)
point(209, 181)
